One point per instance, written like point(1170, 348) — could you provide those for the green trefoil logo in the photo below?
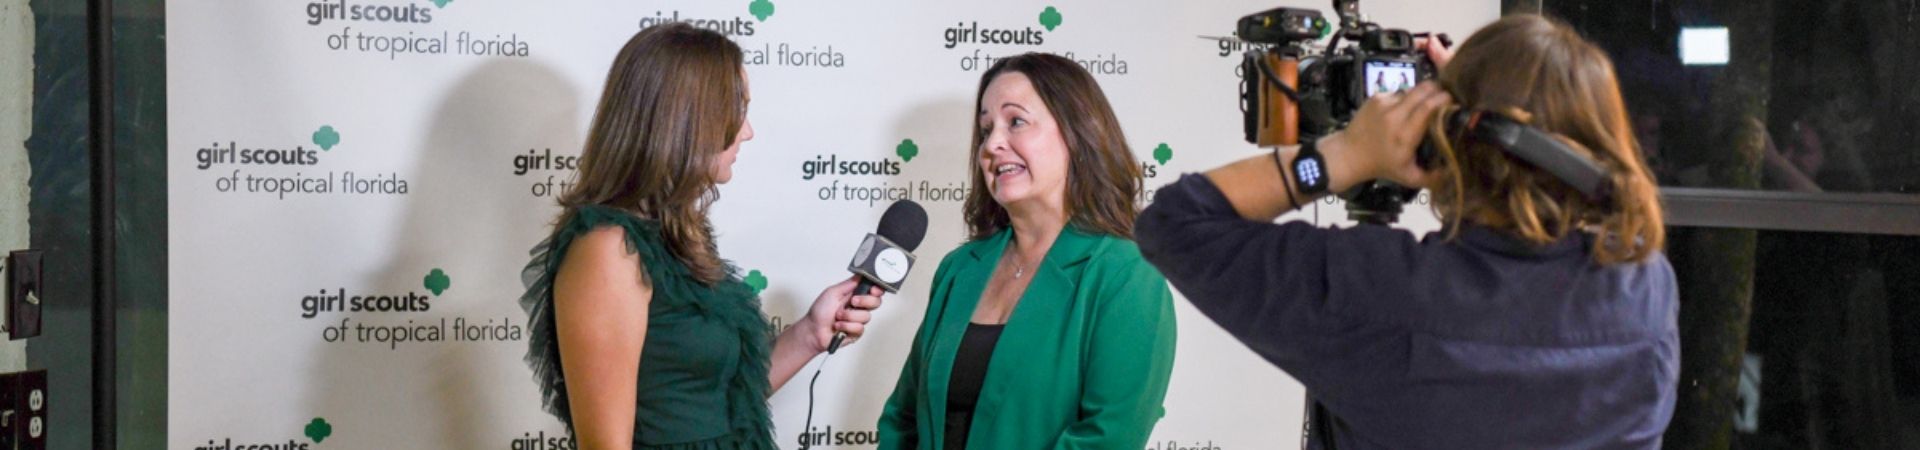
point(1050, 18)
point(907, 150)
point(756, 281)
point(326, 137)
point(319, 429)
point(761, 9)
point(437, 281)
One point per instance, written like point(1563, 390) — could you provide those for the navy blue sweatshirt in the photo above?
point(1479, 342)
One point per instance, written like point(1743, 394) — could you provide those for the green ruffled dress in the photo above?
point(703, 370)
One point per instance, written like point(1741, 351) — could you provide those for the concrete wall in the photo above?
point(16, 115)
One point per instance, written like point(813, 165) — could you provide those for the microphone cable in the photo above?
point(806, 433)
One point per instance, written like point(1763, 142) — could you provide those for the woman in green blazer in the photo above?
point(1047, 329)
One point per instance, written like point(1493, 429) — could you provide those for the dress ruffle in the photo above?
point(729, 301)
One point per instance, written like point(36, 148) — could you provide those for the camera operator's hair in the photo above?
point(674, 100)
point(1541, 72)
point(1103, 179)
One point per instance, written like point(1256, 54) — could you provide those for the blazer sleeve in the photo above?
point(1130, 354)
point(899, 418)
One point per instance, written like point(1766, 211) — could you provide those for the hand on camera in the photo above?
point(1436, 51)
point(1381, 139)
point(839, 310)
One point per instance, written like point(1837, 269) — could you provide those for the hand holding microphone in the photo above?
point(882, 261)
point(839, 312)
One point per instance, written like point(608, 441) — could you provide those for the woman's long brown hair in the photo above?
point(673, 101)
point(1103, 179)
point(1542, 72)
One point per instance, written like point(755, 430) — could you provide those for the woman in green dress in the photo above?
point(642, 337)
point(1047, 329)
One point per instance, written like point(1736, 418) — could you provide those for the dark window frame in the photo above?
point(1851, 213)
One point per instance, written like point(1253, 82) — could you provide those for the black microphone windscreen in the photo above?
point(904, 223)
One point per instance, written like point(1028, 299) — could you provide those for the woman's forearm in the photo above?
point(792, 350)
point(1259, 186)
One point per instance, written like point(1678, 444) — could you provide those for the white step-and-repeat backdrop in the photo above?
point(353, 186)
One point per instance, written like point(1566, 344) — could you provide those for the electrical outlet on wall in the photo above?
point(23, 410)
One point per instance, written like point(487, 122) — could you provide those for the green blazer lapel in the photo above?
point(1034, 327)
point(1053, 282)
point(970, 280)
point(1059, 273)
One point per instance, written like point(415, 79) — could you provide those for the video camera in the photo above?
point(1290, 91)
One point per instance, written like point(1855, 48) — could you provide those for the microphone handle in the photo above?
point(863, 287)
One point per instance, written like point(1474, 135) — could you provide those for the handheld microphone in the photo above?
point(886, 255)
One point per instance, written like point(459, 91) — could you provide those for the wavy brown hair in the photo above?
point(1540, 71)
point(673, 101)
point(1103, 180)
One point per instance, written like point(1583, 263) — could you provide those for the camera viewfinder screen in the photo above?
point(1390, 77)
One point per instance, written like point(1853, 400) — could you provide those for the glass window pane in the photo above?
point(1789, 95)
point(1829, 358)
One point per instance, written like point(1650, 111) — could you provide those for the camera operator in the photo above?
point(1537, 318)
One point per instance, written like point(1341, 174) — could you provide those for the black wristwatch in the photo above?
point(1309, 169)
